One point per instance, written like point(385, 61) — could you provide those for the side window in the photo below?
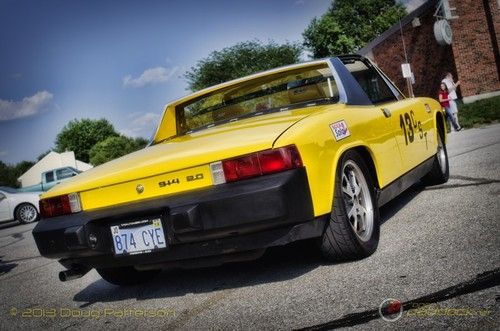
point(371, 82)
point(64, 173)
point(49, 177)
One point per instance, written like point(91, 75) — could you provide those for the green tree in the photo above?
point(240, 60)
point(114, 147)
point(348, 25)
point(81, 135)
point(10, 173)
point(7, 177)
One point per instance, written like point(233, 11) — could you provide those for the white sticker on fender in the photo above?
point(340, 130)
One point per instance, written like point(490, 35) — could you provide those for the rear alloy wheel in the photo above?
point(126, 276)
point(353, 229)
point(26, 213)
point(440, 171)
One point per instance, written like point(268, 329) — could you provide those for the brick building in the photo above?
point(473, 56)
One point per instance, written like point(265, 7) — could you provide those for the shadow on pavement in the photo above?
point(392, 207)
point(9, 224)
point(278, 264)
point(6, 267)
point(480, 282)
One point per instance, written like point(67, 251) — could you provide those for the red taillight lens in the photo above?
point(262, 163)
point(240, 168)
point(61, 205)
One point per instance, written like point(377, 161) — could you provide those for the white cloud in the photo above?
point(146, 119)
point(28, 106)
point(3, 152)
point(142, 124)
point(150, 76)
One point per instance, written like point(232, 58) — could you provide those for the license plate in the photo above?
point(138, 237)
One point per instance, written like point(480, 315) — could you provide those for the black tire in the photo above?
point(340, 241)
point(440, 172)
point(26, 213)
point(126, 276)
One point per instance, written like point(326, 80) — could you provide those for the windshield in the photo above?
point(303, 87)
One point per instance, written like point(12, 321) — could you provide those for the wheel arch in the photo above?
point(367, 156)
point(441, 126)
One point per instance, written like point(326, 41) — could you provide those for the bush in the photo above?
point(480, 112)
point(114, 147)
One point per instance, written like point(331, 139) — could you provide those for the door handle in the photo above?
point(387, 112)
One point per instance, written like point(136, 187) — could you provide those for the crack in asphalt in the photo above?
point(205, 305)
point(480, 282)
point(16, 234)
point(22, 259)
point(12, 243)
point(475, 182)
point(474, 149)
point(29, 270)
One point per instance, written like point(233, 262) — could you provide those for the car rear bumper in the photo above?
point(219, 221)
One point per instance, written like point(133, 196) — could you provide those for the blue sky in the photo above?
point(119, 60)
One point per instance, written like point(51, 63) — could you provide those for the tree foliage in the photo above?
point(10, 173)
point(81, 135)
point(348, 25)
point(239, 60)
point(114, 147)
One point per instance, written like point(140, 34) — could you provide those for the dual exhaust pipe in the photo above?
point(73, 273)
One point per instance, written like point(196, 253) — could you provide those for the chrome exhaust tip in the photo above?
point(71, 274)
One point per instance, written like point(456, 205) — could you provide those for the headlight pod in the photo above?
point(60, 205)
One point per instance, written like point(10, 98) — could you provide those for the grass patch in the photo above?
point(480, 112)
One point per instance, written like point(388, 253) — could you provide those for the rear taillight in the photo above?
point(257, 164)
point(61, 205)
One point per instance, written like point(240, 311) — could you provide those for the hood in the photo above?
point(183, 152)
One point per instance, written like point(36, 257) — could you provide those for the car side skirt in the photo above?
point(402, 183)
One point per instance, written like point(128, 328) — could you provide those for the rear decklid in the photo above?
point(176, 165)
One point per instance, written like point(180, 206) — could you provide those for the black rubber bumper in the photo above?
point(234, 217)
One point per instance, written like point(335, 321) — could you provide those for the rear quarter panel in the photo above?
point(321, 152)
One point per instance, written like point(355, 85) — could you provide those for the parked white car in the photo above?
point(19, 206)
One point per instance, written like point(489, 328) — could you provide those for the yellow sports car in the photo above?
point(305, 151)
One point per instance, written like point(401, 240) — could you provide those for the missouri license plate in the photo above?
point(138, 237)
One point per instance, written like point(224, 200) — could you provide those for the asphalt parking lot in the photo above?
point(439, 246)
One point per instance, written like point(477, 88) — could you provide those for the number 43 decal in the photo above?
point(410, 127)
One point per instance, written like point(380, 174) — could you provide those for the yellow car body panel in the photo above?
point(246, 165)
point(178, 157)
point(146, 188)
point(105, 185)
point(369, 129)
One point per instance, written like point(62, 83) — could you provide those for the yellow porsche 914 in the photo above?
point(306, 151)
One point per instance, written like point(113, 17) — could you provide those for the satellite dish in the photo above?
point(443, 33)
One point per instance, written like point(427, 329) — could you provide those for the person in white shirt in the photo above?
point(452, 94)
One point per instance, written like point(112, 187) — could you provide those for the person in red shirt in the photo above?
point(444, 100)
